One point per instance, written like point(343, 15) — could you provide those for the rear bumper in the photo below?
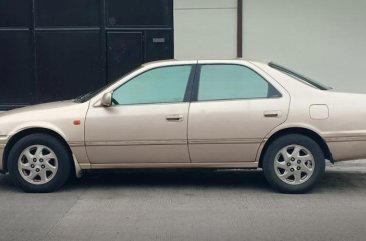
point(350, 149)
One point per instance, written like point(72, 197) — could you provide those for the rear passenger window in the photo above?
point(227, 82)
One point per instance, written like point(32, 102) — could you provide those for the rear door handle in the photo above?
point(174, 118)
point(272, 114)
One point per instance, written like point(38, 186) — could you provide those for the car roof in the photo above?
point(177, 62)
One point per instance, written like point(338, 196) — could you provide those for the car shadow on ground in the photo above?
point(247, 180)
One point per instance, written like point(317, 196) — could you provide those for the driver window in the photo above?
point(159, 85)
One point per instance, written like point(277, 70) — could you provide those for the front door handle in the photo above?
point(272, 114)
point(174, 118)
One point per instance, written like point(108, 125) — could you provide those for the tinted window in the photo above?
point(160, 85)
point(225, 82)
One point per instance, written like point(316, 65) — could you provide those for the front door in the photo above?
point(233, 109)
point(147, 122)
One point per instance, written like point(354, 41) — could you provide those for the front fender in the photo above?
point(37, 124)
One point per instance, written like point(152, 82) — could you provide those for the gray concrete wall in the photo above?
point(205, 29)
point(325, 40)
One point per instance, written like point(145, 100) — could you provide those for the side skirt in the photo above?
point(244, 165)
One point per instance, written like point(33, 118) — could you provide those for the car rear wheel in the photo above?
point(293, 163)
point(39, 163)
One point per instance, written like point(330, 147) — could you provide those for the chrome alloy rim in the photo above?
point(38, 164)
point(294, 164)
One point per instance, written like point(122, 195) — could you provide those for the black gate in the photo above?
point(59, 49)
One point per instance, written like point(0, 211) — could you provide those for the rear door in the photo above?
point(234, 106)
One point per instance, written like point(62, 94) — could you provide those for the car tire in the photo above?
point(39, 163)
point(293, 163)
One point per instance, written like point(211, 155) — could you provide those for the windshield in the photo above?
point(299, 77)
point(91, 94)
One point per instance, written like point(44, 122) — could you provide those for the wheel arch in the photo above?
point(35, 130)
point(297, 130)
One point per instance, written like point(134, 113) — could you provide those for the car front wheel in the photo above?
point(293, 163)
point(39, 163)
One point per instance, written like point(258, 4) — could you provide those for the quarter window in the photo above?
point(226, 82)
point(160, 85)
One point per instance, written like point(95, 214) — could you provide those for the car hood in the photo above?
point(52, 106)
point(48, 114)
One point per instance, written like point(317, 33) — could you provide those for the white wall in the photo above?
point(205, 29)
point(325, 39)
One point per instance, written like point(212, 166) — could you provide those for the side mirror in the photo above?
point(107, 100)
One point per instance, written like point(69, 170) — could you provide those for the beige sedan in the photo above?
point(189, 114)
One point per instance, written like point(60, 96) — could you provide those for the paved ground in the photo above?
point(198, 205)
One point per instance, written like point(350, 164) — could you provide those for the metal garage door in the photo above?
point(53, 50)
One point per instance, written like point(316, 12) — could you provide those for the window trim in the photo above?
point(299, 77)
point(187, 92)
point(198, 79)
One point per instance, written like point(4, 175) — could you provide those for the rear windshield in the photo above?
point(299, 77)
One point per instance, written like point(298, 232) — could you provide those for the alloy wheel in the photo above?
point(38, 164)
point(294, 164)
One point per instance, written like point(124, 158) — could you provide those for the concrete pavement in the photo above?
point(188, 205)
